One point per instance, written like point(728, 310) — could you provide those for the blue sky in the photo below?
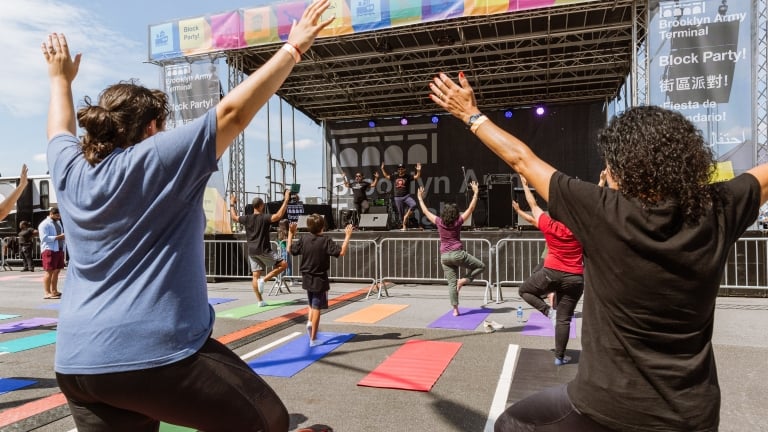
point(113, 39)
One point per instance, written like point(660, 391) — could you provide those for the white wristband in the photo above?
point(293, 51)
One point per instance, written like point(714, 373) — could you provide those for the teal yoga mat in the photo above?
point(29, 342)
point(4, 316)
point(252, 309)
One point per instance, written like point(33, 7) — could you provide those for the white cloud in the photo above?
point(108, 56)
point(303, 144)
point(40, 157)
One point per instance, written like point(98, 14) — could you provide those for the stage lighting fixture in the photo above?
point(540, 111)
point(508, 114)
point(435, 119)
point(371, 123)
point(444, 40)
point(383, 47)
point(403, 121)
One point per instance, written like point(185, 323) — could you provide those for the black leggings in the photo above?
point(547, 411)
point(568, 288)
point(212, 390)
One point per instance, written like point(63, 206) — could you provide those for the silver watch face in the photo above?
point(473, 118)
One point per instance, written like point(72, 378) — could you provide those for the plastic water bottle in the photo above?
point(519, 314)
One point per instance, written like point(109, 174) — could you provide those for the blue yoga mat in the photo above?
point(11, 384)
point(26, 324)
point(213, 301)
point(289, 359)
point(468, 319)
point(29, 342)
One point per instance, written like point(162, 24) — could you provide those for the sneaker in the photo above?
point(488, 327)
point(552, 315)
point(314, 343)
point(561, 361)
point(261, 285)
point(263, 303)
point(495, 325)
point(309, 327)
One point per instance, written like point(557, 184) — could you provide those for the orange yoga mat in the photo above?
point(372, 314)
point(415, 366)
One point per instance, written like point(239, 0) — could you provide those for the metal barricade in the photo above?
point(746, 270)
point(226, 259)
point(515, 261)
point(11, 253)
point(418, 260)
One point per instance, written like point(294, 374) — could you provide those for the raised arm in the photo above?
point(7, 205)
point(384, 172)
point(432, 218)
point(459, 100)
point(524, 215)
point(536, 211)
point(375, 179)
point(347, 236)
point(761, 174)
point(62, 70)
point(418, 171)
point(472, 204)
point(346, 180)
point(238, 108)
point(291, 233)
point(232, 208)
point(279, 215)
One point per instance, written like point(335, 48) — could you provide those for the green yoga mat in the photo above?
point(29, 342)
point(252, 309)
point(165, 427)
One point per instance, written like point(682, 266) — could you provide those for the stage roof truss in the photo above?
point(564, 54)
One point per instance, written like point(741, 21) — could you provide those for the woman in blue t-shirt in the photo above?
point(134, 342)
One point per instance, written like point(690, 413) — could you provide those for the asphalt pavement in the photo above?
point(482, 378)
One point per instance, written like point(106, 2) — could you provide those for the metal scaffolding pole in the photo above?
point(236, 181)
point(760, 78)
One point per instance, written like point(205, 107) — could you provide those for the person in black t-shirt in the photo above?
point(360, 188)
point(656, 241)
point(260, 254)
point(316, 250)
point(402, 191)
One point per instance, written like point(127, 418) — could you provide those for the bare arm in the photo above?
point(62, 70)
point(375, 179)
point(232, 210)
point(524, 215)
point(384, 172)
point(472, 204)
point(291, 232)
point(535, 209)
point(346, 181)
point(347, 236)
point(279, 215)
point(418, 171)
point(459, 100)
point(7, 205)
point(238, 108)
point(432, 218)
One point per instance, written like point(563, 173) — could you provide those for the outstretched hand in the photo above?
point(457, 99)
point(421, 192)
point(23, 176)
point(60, 62)
point(293, 227)
point(304, 32)
point(474, 186)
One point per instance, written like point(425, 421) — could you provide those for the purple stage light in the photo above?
point(403, 121)
point(539, 111)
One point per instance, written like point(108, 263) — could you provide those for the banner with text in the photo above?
point(701, 67)
point(193, 89)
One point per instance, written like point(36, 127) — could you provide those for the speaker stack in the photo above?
point(501, 188)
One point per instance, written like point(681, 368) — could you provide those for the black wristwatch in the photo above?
point(473, 118)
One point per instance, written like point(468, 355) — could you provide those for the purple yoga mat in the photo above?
point(26, 324)
point(539, 325)
point(468, 319)
point(213, 301)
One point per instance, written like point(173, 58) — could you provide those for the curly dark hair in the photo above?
point(449, 214)
point(120, 118)
point(655, 155)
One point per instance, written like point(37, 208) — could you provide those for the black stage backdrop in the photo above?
point(451, 155)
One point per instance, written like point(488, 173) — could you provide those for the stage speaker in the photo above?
point(500, 211)
point(373, 221)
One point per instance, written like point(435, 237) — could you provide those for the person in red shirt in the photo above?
point(562, 273)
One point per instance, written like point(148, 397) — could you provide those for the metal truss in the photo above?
point(760, 78)
point(236, 180)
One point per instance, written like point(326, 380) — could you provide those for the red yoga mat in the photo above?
point(415, 366)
